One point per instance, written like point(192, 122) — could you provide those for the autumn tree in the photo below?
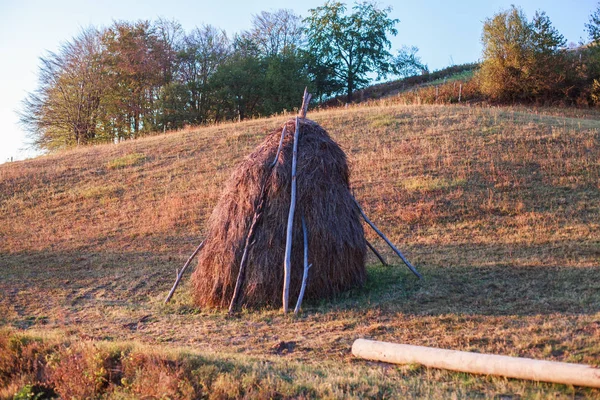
point(506, 52)
point(140, 64)
point(276, 33)
point(348, 48)
point(522, 60)
point(64, 110)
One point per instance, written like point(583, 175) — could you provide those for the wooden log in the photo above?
point(287, 265)
point(372, 225)
point(306, 267)
point(180, 273)
point(476, 363)
point(374, 250)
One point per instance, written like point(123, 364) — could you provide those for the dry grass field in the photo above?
point(499, 208)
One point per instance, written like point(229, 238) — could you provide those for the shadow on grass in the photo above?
point(499, 290)
point(134, 277)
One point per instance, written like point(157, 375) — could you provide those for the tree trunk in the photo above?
point(350, 89)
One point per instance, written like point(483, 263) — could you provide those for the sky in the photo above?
point(446, 33)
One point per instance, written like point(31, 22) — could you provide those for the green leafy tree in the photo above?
point(286, 76)
point(593, 26)
point(591, 54)
point(408, 63)
point(548, 68)
point(349, 47)
point(174, 105)
point(240, 82)
point(278, 36)
point(267, 69)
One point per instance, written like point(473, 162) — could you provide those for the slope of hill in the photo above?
point(499, 208)
point(409, 84)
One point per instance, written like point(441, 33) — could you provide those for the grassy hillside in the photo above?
point(499, 208)
point(413, 84)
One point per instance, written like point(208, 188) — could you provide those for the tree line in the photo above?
point(134, 78)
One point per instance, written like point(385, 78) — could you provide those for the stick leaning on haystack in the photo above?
point(179, 274)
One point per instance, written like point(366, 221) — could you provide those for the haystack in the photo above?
point(336, 239)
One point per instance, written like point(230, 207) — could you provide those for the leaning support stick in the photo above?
point(306, 267)
point(287, 264)
point(255, 219)
point(374, 250)
point(242, 272)
point(477, 363)
point(180, 273)
point(372, 225)
point(278, 149)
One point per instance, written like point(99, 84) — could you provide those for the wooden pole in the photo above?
point(306, 267)
point(305, 100)
point(180, 273)
point(287, 265)
point(242, 272)
point(372, 225)
point(477, 363)
point(255, 219)
point(374, 250)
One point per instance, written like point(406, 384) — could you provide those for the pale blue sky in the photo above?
point(446, 32)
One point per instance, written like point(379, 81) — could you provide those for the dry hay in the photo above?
point(336, 238)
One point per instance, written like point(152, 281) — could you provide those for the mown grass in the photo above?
point(497, 207)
